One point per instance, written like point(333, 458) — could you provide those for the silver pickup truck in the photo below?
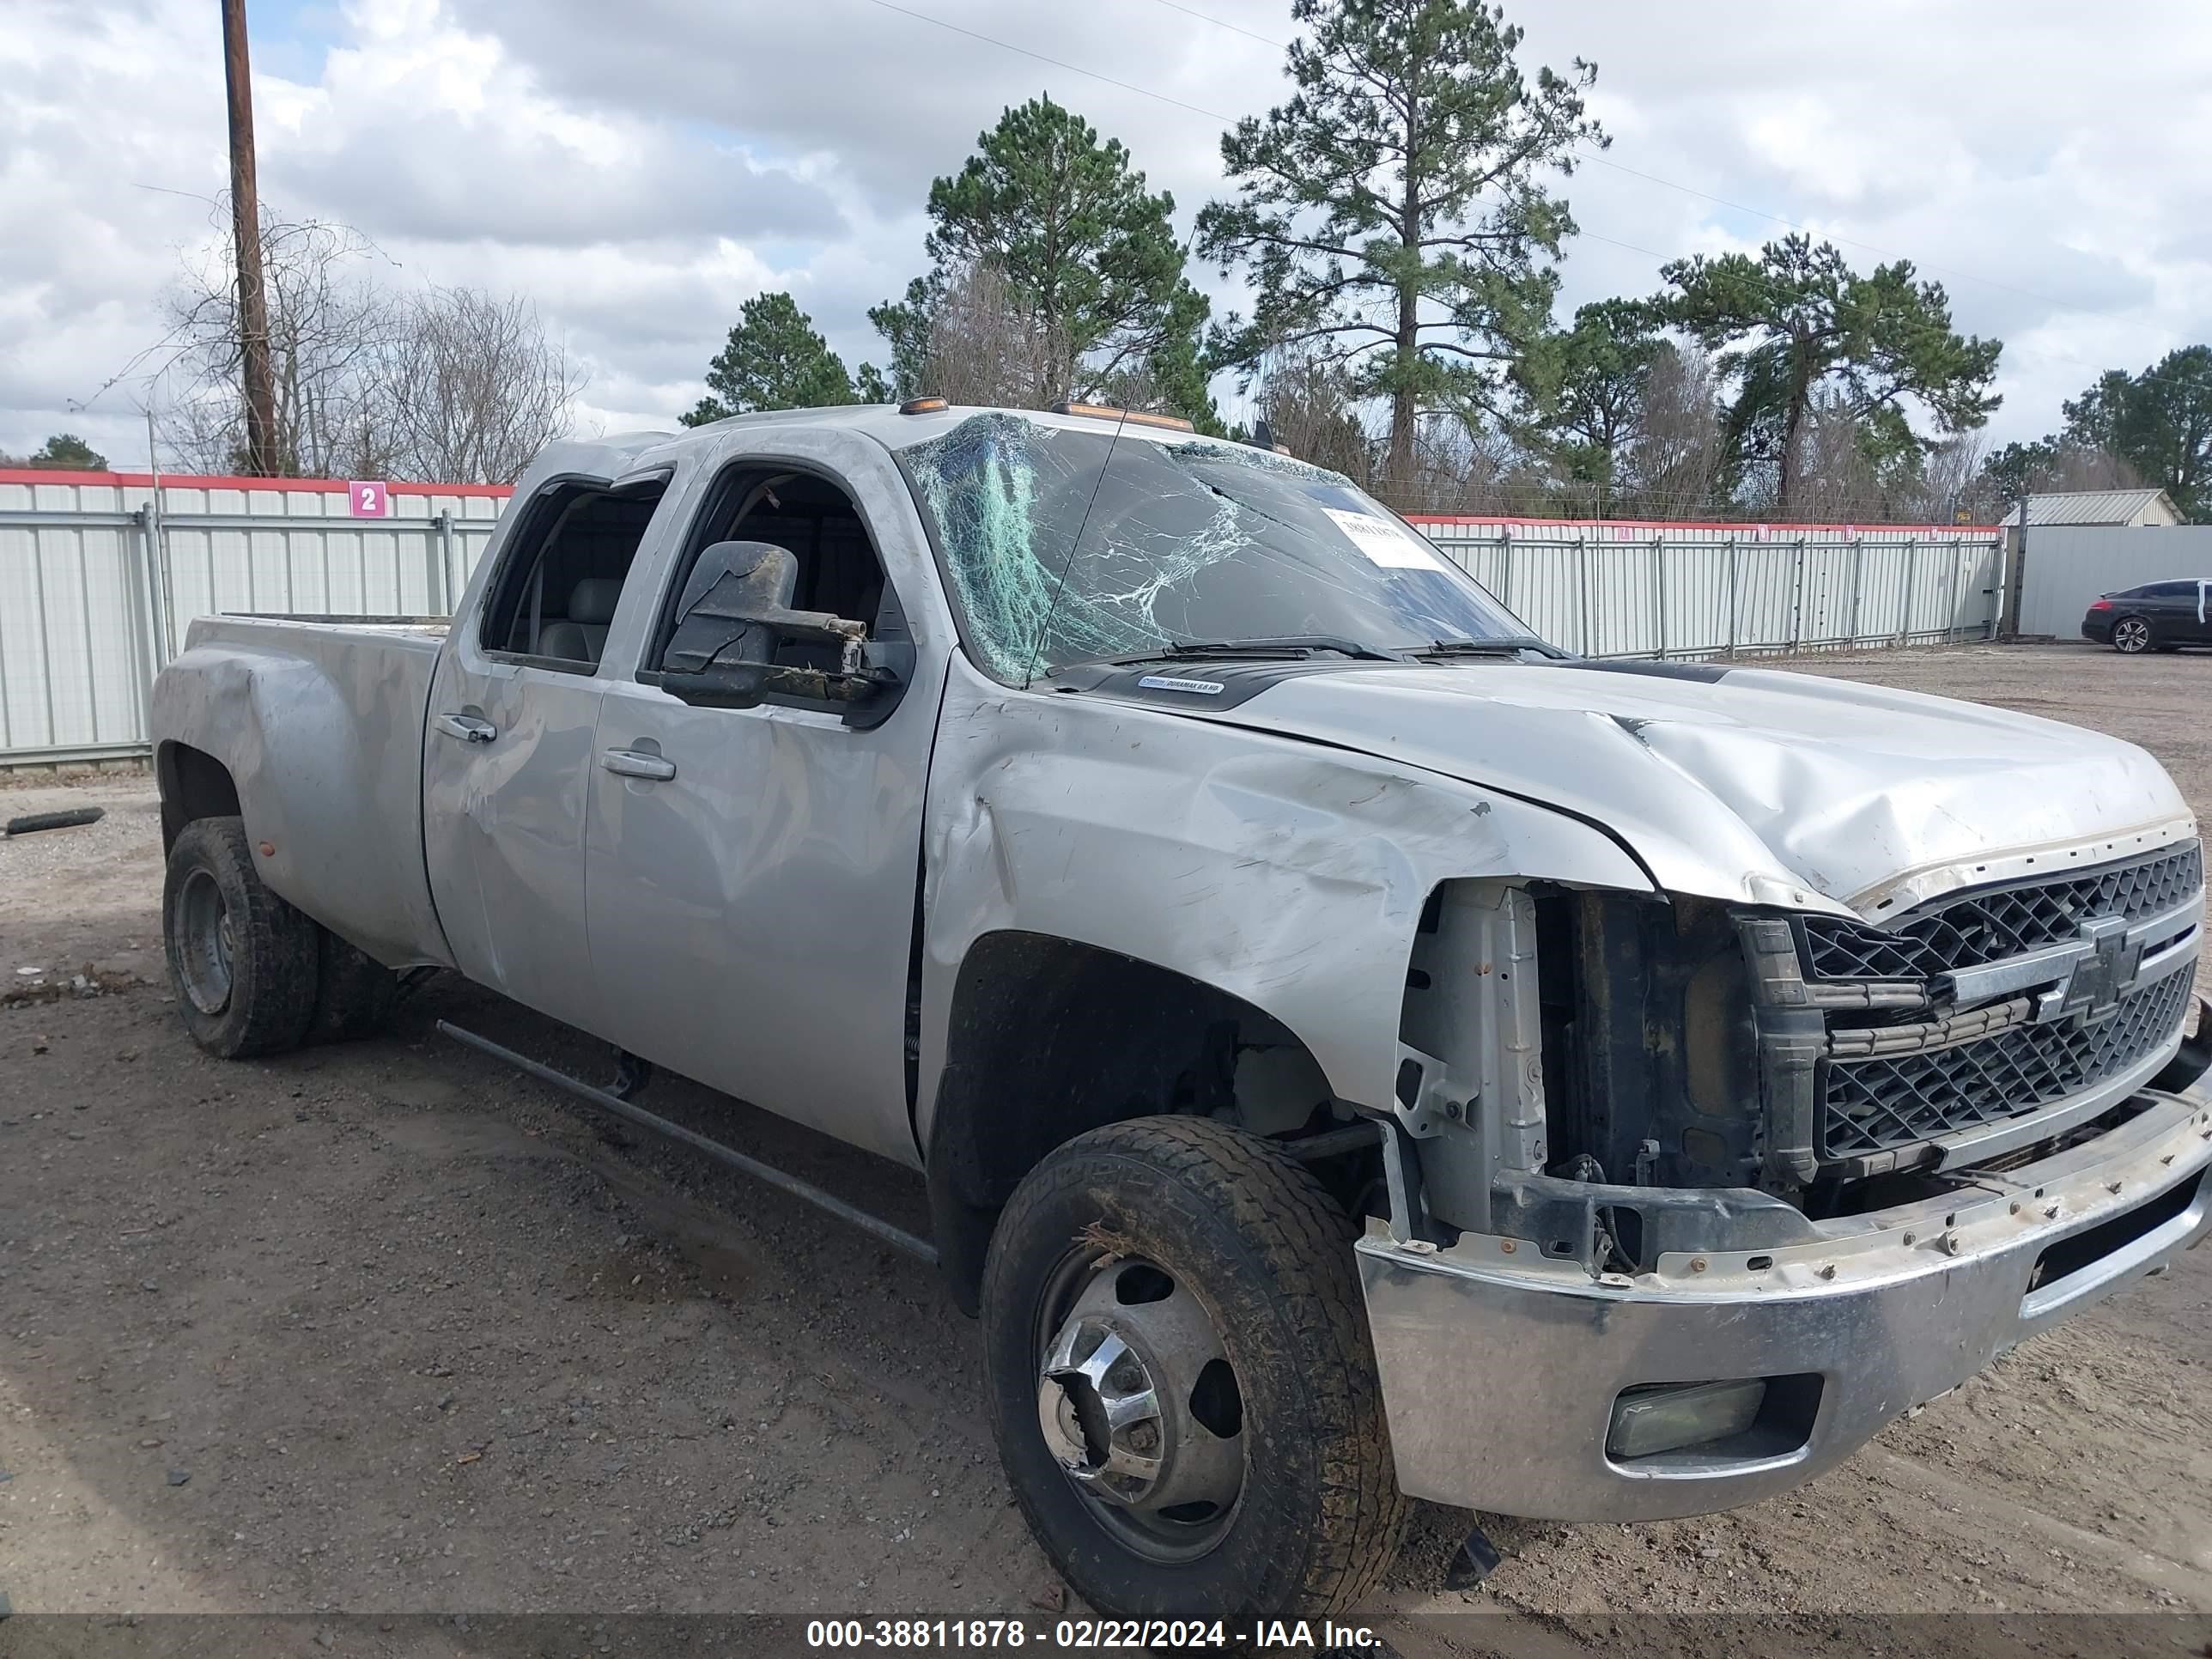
point(1355, 1051)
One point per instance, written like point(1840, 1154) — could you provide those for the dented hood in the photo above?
point(1773, 788)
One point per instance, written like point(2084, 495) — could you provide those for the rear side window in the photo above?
point(2167, 591)
point(563, 573)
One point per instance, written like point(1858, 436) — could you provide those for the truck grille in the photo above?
point(1990, 924)
point(1874, 1104)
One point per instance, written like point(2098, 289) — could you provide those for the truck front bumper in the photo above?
point(1502, 1372)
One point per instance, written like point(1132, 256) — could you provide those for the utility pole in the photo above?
point(259, 384)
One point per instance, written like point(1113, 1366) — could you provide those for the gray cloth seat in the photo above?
point(582, 634)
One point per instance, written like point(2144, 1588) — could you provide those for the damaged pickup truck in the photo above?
point(1355, 1051)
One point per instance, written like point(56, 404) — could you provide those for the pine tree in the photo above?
point(1391, 212)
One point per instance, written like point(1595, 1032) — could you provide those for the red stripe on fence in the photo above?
point(41, 475)
point(1696, 523)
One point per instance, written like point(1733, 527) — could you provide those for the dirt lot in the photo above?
point(386, 1328)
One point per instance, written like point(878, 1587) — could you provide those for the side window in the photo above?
point(563, 575)
point(2171, 591)
point(840, 574)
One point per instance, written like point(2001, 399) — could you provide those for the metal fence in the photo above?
point(2064, 566)
point(1641, 590)
point(101, 574)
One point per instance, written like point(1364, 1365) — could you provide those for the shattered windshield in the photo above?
point(1196, 540)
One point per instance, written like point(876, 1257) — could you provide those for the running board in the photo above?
point(882, 1231)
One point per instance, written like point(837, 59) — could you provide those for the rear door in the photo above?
point(752, 872)
point(508, 755)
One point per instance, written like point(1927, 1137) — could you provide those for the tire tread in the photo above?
point(1303, 1244)
point(273, 966)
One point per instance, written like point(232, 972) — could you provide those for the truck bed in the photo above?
point(320, 723)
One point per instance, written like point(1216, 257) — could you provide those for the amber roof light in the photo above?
point(923, 406)
point(1134, 416)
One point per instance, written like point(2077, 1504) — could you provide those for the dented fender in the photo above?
point(1290, 874)
point(321, 729)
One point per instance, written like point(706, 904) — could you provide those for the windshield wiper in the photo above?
point(1505, 645)
point(1285, 645)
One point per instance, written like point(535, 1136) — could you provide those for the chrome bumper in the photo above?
point(1500, 1370)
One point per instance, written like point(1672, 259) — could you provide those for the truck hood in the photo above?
point(1751, 784)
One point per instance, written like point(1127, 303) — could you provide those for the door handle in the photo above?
point(467, 727)
point(629, 763)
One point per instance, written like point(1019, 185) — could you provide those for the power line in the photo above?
point(1056, 62)
point(1223, 23)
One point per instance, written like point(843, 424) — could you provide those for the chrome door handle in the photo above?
point(467, 727)
point(629, 763)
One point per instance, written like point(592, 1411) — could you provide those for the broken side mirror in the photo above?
point(735, 615)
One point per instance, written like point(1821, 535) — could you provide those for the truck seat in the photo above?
point(583, 635)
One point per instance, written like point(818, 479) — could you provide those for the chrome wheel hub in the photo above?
point(205, 942)
point(1139, 1405)
point(2133, 634)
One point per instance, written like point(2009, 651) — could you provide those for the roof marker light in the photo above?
point(1134, 417)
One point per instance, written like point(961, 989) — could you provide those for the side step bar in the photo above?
point(921, 1249)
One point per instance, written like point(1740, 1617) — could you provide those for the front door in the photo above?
point(2173, 609)
point(751, 872)
point(507, 763)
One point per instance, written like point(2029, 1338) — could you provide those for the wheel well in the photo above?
point(194, 784)
point(1049, 1038)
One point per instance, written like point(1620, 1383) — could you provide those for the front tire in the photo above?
point(2131, 635)
point(242, 961)
point(1180, 1378)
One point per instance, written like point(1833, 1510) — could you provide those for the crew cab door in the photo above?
point(508, 755)
point(751, 873)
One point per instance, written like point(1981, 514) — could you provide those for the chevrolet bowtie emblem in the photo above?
point(2098, 981)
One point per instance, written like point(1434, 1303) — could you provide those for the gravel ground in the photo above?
point(386, 1328)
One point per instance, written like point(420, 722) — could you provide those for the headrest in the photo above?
point(591, 601)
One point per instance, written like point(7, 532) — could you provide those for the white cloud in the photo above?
point(639, 170)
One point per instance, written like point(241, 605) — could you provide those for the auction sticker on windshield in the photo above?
point(1386, 541)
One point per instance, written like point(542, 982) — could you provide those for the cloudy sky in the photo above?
point(640, 167)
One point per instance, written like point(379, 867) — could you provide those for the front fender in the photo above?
point(1289, 874)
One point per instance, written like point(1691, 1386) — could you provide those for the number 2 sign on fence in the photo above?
point(369, 500)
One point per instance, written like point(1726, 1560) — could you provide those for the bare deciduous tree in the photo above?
point(470, 388)
point(327, 326)
point(1312, 412)
point(984, 346)
point(1674, 452)
point(448, 385)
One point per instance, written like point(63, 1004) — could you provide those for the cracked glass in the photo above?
point(1183, 540)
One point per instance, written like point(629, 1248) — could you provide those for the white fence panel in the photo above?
point(1606, 590)
point(99, 579)
point(2067, 566)
point(101, 574)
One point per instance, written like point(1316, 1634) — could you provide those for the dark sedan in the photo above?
point(2156, 616)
